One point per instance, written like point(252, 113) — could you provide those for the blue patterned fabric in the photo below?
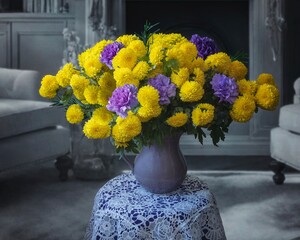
point(123, 209)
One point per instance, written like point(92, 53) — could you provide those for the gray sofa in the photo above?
point(30, 130)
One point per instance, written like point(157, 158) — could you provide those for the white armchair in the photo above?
point(285, 139)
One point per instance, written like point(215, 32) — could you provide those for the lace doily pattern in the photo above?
point(125, 210)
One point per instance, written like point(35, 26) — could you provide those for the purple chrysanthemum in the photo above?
point(123, 99)
point(225, 88)
point(164, 86)
point(205, 45)
point(109, 52)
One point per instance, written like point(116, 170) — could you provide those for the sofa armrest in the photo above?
point(20, 84)
point(297, 90)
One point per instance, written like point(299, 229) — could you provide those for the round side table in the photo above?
point(125, 210)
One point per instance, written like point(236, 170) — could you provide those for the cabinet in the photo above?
point(33, 41)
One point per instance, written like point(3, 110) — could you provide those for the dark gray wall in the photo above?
point(291, 49)
point(225, 21)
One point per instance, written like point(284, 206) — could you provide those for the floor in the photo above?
point(35, 205)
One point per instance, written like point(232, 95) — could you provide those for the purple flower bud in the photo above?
point(205, 45)
point(109, 52)
point(164, 86)
point(123, 99)
point(225, 88)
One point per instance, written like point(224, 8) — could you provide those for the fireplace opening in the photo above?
point(227, 22)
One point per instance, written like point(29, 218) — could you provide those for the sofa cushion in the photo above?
point(20, 84)
point(289, 117)
point(22, 116)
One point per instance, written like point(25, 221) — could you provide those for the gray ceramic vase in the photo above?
point(160, 168)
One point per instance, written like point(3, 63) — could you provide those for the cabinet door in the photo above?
point(5, 56)
point(38, 45)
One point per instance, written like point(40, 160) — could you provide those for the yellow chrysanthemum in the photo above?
point(64, 75)
point(94, 129)
point(103, 115)
point(200, 63)
point(156, 55)
point(152, 43)
point(92, 66)
point(148, 96)
point(125, 58)
point(103, 97)
point(191, 91)
point(78, 94)
point(91, 94)
point(237, 70)
point(138, 47)
point(220, 62)
point(125, 76)
point(199, 76)
point(176, 54)
point(180, 77)
point(156, 40)
point(174, 38)
point(203, 114)
point(189, 50)
point(267, 96)
point(247, 87)
point(265, 78)
point(44, 92)
point(82, 57)
point(147, 112)
point(78, 84)
point(107, 82)
point(127, 39)
point(74, 114)
point(49, 86)
point(156, 37)
point(141, 70)
point(167, 40)
point(177, 120)
point(126, 128)
point(243, 109)
point(50, 82)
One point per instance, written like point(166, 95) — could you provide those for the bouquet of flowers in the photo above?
point(138, 89)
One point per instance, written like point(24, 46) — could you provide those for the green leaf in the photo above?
point(134, 150)
point(240, 56)
point(201, 134)
point(169, 66)
point(200, 138)
point(148, 31)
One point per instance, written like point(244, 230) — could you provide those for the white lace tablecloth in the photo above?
point(125, 210)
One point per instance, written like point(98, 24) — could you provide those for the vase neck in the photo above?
point(170, 139)
point(174, 136)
